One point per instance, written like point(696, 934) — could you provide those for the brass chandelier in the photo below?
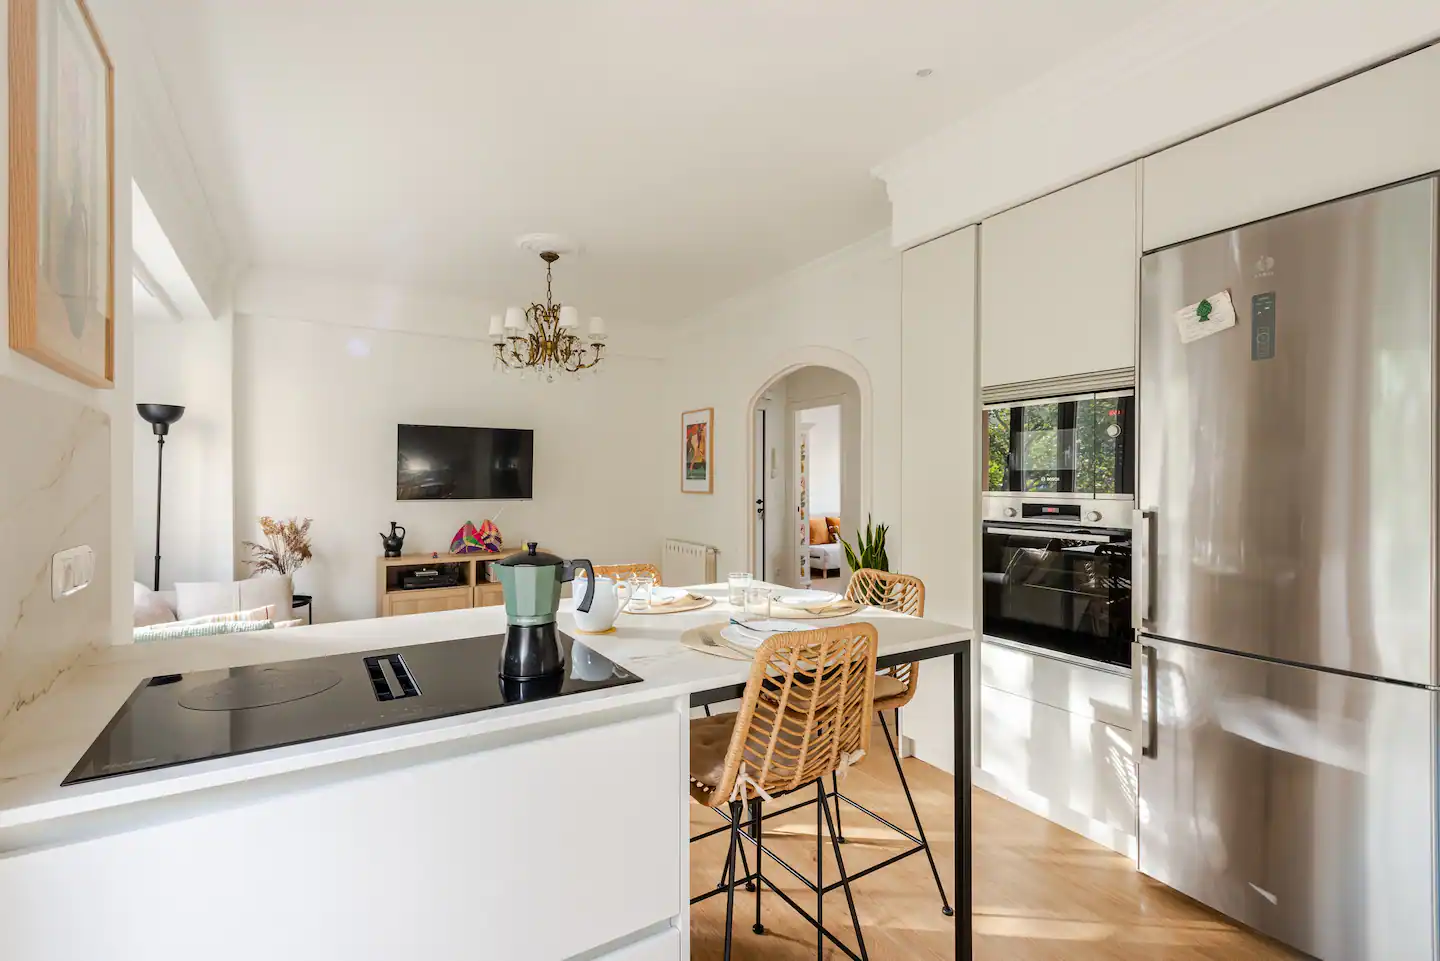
point(546, 337)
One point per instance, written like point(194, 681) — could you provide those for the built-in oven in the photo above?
point(1053, 581)
point(1059, 495)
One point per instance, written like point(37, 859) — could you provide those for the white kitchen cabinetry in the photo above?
point(530, 851)
point(1058, 283)
point(940, 500)
point(1055, 738)
point(1373, 129)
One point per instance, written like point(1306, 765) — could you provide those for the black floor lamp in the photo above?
point(159, 416)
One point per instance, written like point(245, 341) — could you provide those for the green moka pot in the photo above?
point(532, 581)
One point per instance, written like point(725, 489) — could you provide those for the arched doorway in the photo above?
point(819, 404)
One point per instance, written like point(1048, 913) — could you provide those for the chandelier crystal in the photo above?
point(546, 337)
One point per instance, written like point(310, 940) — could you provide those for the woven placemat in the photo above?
point(707, 640)
point(675, 607)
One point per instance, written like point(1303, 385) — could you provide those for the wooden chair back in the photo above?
point(806, 711)
point(892, 592)
point(621, 572)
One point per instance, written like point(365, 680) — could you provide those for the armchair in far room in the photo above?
point(826, 553)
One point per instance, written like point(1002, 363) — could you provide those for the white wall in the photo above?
point(1188, 68)
point(776, 462)
point(841, 311)
point(318, 398)
point(824, 424)
point(187, 362)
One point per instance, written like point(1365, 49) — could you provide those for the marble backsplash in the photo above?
point(54, 494)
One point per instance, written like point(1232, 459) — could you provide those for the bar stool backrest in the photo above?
point(806, 712)
point(904, 593)
point(622, 571)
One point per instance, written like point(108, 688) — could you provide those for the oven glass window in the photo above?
point(1079, 446)
point(1067, 591)
point(997, 449)
point(1105, 461)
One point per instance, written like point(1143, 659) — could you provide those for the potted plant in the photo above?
point(872, 548)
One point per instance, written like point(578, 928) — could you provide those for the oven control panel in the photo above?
point(1088, 511)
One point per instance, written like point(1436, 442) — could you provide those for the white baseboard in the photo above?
point(1105, 835)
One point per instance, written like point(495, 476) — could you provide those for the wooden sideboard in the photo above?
point(474, 590)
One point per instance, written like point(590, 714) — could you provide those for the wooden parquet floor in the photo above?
point(1041, 892)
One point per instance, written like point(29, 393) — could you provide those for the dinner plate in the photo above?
point(807, 598)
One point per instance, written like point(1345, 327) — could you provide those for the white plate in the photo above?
point(755, 633)
point(807, 598)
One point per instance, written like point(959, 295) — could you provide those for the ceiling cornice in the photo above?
point(1187, 69)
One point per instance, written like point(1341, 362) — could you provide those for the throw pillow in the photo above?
point(150, 607)
point(206, 597)
point(818, 533)
point(165, 632)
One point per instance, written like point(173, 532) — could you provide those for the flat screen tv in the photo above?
point(464, 463)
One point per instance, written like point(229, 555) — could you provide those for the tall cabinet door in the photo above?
point(938, 534)
point(1296, 801)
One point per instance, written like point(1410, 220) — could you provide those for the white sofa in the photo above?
point(827, 558)
point(203, 598)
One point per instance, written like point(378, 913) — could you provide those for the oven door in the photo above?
point(1064, 589)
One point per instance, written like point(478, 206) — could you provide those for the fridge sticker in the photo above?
point(1210, 316)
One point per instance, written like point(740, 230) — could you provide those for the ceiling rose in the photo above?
point(546, 337)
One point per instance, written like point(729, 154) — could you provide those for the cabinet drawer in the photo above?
point(1076, 771)
point(1083, 691)
point(428, 602)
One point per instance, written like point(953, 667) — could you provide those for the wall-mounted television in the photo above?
point(464, 463)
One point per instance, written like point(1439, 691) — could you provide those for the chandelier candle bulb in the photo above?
point(497, 326)
point(597, 327)
point(569, 318)
point(514, 318)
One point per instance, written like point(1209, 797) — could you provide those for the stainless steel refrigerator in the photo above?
point(1286, 566)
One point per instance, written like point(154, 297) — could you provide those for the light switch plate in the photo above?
point(71, 571)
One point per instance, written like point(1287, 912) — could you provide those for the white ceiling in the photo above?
point(693, 147)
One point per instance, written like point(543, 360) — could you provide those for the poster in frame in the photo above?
point(62, 190)
point(697, 451)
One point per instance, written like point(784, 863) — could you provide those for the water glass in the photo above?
point(739, 583)
point(757, 602)
point(642, 589)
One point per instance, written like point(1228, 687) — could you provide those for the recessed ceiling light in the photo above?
point(923, 72)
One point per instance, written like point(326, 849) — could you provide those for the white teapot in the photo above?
point(610, 598)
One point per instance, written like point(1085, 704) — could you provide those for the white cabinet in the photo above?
point(1058, 283)
point(939, 477)
point(528, 851)
point(1372, 129)
point(1055, 739)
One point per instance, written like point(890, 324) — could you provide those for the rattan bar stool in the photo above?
point(622, 571)
point(805, 714)
point(894, 688)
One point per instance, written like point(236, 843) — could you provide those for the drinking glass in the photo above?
point(757, 602)
point(641, 584)
point(738, 585)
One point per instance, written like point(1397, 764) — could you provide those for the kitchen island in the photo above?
point(548, 830)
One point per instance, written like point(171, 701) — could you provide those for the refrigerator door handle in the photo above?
point(1145, 567)
point(1151, 747)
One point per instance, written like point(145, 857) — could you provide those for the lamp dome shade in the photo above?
point(161, 416)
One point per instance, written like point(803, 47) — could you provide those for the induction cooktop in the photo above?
point(184, 718)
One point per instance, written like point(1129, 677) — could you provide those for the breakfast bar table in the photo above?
point(530, 829)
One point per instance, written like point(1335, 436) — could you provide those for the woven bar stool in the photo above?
point(805, 714)
point(622, 571)
point(894, 688)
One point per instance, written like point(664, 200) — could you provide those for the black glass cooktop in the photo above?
point(183, 718)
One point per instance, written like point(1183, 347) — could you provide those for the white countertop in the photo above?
point(40, 744)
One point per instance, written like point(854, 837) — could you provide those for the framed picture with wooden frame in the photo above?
point(697, 451)
point(62, 190)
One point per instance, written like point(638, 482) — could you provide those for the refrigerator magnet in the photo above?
point(1209, 316)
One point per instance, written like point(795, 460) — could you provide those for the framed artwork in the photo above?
point(697, 460)
point(62, 190)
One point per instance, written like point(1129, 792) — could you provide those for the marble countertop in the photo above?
point(39, 745)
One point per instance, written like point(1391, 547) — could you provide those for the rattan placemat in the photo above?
point(675, 607)
point(707, 640)
point(837, 609)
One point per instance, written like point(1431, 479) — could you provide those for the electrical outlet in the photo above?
point(71, 571)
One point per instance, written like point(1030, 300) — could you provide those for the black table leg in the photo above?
point(964, 933)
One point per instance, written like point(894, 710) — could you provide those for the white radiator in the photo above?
point(687, 563)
